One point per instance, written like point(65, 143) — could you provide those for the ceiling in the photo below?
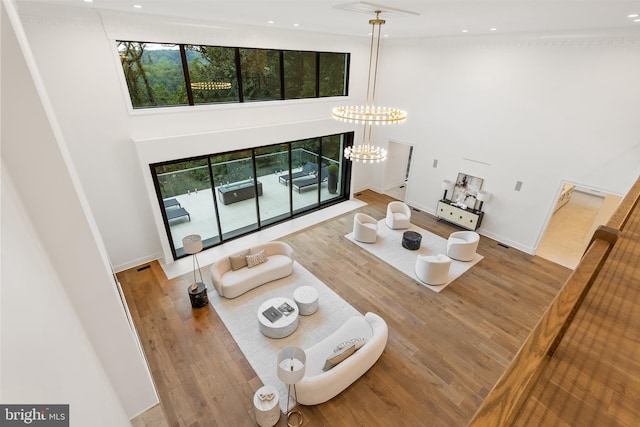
point(426, 18)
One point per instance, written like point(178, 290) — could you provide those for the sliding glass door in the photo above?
point(236, 191)
point(272, 164)
point(187, 201)
point(226, 195)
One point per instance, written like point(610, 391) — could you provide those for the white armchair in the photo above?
point(398, 216)
point(433, 270)
point(462, 245)
point(365, 228)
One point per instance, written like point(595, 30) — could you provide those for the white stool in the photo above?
point(267, 410)
point(306, 298)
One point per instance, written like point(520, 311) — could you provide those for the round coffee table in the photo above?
point(411, 240)
point(284, 325)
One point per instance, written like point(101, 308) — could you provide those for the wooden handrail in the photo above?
point(503, 403)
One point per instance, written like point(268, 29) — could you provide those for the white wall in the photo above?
point(35, 157)
point(46, 355)
point(535, 110)
point(76, 52)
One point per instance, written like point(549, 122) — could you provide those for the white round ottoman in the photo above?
point(306, 298)
point(267, 410)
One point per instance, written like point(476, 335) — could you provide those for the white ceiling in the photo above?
point(428, 18)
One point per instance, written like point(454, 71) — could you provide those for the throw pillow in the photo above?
point(338, 357)
point(239, 261)
point(357, 342)
point(256, 259)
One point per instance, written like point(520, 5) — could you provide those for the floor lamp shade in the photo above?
point(192, 244)
point(291, 364)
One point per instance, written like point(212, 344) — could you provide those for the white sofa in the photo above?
point(318, 386)
point(232, 283)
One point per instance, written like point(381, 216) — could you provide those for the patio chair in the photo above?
point(308, 169)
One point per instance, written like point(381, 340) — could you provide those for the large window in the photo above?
point(162, 75)
point(212, 74)
point(226, 195)
point(154, 74)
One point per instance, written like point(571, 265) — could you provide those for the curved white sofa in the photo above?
point(318, 386)
point(232, 283)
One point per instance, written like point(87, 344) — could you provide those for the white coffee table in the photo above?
point(282, 327)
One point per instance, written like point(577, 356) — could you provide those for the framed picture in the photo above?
point(466, 189)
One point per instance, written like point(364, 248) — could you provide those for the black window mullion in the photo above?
point(281, 56)
point(185, 70)
point(290, 182)
point(317, 74)
point(255, 185)
point(239, 76)
point(215, 199)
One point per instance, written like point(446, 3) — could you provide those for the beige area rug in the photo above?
point(240, 317)
point(388, 247)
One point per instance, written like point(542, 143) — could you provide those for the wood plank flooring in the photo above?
point(445, 350)
point(593, 379)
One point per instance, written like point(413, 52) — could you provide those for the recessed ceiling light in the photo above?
point(271, 22)
point(88, 1)
point(633, 15)
point(137, 6)
point(636, 20)
point(465, 31)
point(296, 25)
point(494, 29)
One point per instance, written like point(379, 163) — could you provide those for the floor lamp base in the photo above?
point(294, 419)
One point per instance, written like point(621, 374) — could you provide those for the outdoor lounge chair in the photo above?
point(177, 213)
point(308, 169)
point(170, 203)
point(302, 183)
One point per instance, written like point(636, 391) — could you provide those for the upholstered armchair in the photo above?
point(433, 270)
point(398, 216)
point(462, 245)
point(365, 228)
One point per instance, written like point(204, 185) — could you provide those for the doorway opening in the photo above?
point(578, 213)
point(397, 170)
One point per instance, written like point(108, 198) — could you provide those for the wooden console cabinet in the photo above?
point(466, 218)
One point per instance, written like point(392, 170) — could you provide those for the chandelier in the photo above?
point(369, 114)
point(210, 85)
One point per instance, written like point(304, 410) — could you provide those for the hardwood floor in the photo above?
point(594, 376)
point(445, 350)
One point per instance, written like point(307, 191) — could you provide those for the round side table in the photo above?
point(265, 404)
point(411, 240)
point(306, 298)
point(198, 296)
